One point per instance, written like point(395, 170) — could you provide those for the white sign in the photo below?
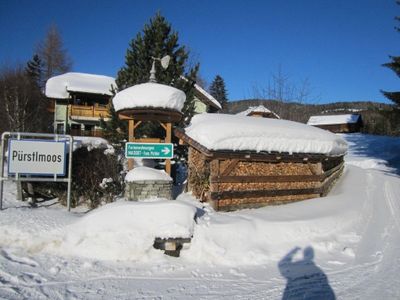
point(36, 157)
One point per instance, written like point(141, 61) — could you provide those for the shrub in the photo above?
point(96, 179)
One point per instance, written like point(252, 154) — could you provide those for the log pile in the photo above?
point(230, 184)
point(237, 180)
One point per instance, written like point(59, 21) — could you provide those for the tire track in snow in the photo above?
point(392, 198)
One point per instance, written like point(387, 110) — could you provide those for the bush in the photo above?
point(96, 179)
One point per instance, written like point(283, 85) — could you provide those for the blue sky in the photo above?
point(338, 45)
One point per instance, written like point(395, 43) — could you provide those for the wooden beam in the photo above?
point(149, 140)
point(163, 126)
point(137, 124)
point(329, 172)
point(327, 185)
point(263, 193)
point(131, 138)
point(230, 167)
point(275, 178)
point(272, 179)
point(168, 139)
point(149, 114)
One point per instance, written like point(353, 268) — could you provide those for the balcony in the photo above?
point(93, 132)
point(84, 112)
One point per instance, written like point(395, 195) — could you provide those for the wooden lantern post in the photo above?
point(136, 117)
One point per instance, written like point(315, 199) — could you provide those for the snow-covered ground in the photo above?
point(347, 243)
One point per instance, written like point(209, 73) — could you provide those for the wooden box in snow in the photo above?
point(239, 162)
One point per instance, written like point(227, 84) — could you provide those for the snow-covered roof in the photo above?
point(210, 98)
point(59, 87)
point(204, 95)
point(241, 133)
point(154, 95)
point(146, 173)
point(260, 109)
point(333, 119)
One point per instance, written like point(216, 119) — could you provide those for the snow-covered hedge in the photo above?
point(96, 178)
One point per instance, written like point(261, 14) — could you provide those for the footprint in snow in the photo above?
point(18, 259)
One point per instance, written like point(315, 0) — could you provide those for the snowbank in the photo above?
point(149, 94)
point(232, 132)
point(59, 86)
point(126, 230)
point(336, 226)
point(145, 173)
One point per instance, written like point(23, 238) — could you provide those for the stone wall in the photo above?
point(144, 189)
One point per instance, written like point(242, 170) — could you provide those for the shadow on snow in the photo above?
point(304, 279)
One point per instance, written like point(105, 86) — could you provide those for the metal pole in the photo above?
point(2, 167)
point(71, 142)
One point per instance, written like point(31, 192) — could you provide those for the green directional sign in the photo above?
point(149, 150)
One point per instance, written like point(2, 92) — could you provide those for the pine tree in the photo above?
point(34, 69)
point(218, 91)
point(394, 65)
point(115, 129)
point(157, 40)
point(53, 55)
point(34, 73)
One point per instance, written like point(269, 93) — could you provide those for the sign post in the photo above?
point(42, 157)
point(149, 150)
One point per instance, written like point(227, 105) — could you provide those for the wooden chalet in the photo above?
point(204, 102)
point(259, 111)
point(231, 180)
point(78, 102)
point(347, 123)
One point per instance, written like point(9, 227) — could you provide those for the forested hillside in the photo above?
point(379, 118)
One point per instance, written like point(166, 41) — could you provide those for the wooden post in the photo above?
point(168, 139)
point(131, 138)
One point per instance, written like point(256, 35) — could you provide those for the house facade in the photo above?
point(204, 102)
point(79, 101)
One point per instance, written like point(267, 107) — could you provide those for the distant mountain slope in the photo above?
point(379, 118)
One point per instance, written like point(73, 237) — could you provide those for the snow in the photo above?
point(204, 93)
point(93, 143)
point(148, 95)
point(125, 230)
point(260, 108)
point(333, 119)
point(354, 232)
point(209, 97)
point(58, 87)
point(239, 133)
point(146, 173)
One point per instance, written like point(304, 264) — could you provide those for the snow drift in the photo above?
point(126, 230)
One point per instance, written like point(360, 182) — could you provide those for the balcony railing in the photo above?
point(93, 132)
point(87, 111)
